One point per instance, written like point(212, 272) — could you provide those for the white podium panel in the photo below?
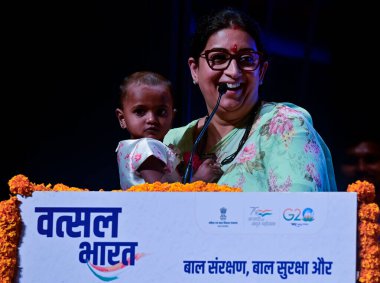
point(188, 237)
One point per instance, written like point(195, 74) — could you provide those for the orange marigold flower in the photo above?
point(364, 189)
point(369, 228)
point(41, 187)
point(369, 212)
point(369, 232)
point(198, 186)
point(369, 276)
point(10, 228)
point(62, 187)
point(20, 184)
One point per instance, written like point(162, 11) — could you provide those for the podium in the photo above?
point(149, 237)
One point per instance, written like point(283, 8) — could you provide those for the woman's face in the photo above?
point(242, 92)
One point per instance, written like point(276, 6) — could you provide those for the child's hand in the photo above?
point(209, 171)
point(176, 150)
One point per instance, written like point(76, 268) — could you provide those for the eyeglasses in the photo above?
point(219, 59)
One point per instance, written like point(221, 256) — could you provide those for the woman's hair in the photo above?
point(222, 19)
point(143, 78)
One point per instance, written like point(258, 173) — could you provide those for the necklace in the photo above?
point(248, 127)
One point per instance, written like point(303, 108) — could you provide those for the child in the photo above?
point(146, 112)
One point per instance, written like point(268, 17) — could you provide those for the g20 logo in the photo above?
point(297, 214)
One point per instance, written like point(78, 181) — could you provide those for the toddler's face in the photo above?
point(148, 111)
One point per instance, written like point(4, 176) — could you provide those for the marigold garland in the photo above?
point(10, 228)
point(10, 218)
point(369, 232)
point(198, 186)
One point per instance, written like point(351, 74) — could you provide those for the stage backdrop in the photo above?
point(188, 237)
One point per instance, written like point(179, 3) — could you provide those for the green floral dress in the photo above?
point(283, 153)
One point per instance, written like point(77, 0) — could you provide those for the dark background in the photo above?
point(63, 62)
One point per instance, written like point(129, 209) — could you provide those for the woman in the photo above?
point(262, 146)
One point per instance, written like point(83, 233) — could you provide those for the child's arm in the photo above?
point(154, 170)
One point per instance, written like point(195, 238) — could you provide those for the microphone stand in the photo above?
point(189, 168)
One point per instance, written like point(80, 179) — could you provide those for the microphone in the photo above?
point(222, 89)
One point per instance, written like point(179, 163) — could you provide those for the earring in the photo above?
point(122, 124)
point(194, 82)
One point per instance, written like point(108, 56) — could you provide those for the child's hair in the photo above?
point(144, 78)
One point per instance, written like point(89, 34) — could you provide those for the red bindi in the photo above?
point(235, 27)
point(234, 48)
